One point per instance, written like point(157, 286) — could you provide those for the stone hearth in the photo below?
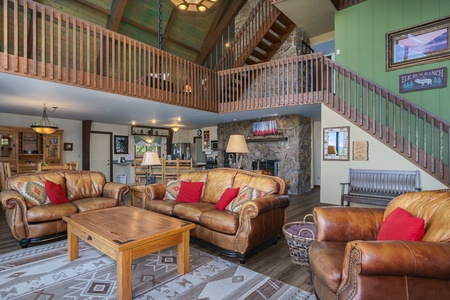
point(293, 155)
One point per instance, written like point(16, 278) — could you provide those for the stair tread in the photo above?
point(271, 37)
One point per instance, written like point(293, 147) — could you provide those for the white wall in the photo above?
point(380, 157)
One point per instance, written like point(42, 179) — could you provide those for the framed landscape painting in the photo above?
point(419, 44)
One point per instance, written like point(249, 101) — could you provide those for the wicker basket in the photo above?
point(299, 243)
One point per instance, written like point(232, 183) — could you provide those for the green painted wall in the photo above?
point(360, 37)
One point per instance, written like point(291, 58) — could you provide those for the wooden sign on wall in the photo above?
point(423, 80)
point(360, 150)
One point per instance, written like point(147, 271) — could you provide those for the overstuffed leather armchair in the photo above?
point(348, 262)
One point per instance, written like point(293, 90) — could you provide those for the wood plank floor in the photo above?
point(273, 261)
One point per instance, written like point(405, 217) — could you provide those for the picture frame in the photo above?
point(120, 144)
point(68, 147)
point(420, 44)
point(336, 143)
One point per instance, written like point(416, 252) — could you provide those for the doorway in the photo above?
point(100, 155)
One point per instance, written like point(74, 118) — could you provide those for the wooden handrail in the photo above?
point(47, 44)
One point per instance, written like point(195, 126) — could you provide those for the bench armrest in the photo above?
point(343, 224)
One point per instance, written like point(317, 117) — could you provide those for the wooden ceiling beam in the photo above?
point(214, 35)
point(96, 7)
point(168, 26)
point(178, 43)
point(117, 8)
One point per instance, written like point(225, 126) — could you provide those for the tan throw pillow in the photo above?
point(246, 194)
point(33, 192)
point(173, 189)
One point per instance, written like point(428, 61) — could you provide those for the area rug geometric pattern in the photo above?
point(44, 272)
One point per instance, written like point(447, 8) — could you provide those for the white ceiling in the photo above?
point(25, 96)
point(314, 17)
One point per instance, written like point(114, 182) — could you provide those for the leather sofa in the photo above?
point(86, 190)
point(348, 262)
point(258, 224)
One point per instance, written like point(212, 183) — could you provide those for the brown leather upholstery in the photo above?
point(347, 262)
point(86, 190)
point(259, 222)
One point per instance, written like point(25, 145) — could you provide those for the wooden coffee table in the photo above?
point(127, 233)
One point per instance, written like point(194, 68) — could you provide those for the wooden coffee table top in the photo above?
point(125, 227)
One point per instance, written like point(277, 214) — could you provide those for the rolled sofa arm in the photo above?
point(264, 204)
point(116, 190)
point(15, 213)
point(343, 224)
point(400, 258)
point(155, 191)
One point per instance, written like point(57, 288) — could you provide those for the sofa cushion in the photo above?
point(217, 183)
point(173, 189)
point(246, 194)
point(80, 185)
point(222, 221)
point(226, 198)
point(164, 207)
point(94, 203)
point(33, 192)
point(45, 213)
point(262, 183)
point(190, 192)
point(55, 192)
point(191, 211)
point(401, 225)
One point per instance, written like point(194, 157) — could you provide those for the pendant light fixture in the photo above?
point(193, 5)
point(44, 126)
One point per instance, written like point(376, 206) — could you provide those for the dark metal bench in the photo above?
point(378, 187)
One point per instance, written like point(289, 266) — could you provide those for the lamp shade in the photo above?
point(237, 144)
point(150, 159)
point(332, 150)
point(44, 126)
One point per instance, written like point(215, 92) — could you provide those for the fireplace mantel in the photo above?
point(267, 139)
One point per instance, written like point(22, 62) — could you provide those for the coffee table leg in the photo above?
point(72, 243)
point(183, 254)
point(124, 275)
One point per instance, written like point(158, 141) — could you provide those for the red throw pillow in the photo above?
point(55, 192)
point(401, 225)
point(190, 191)
point(226, 198)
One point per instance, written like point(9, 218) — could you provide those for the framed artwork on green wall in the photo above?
point(419, 44)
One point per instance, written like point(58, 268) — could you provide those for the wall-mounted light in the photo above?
point(44, 126)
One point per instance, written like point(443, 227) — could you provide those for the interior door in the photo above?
point(100, 153)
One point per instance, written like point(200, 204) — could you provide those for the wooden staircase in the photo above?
point(259, 38)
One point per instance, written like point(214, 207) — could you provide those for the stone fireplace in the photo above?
point(291, 149)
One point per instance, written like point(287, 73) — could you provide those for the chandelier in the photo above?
point(193, 5)
point(44, 126)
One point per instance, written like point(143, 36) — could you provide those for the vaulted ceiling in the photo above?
point(186, 34)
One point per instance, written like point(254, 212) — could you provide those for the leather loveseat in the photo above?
point(240, 234)
point(85, 190)
point(348, 262)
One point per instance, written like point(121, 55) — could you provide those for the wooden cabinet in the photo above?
point(209, 134)
point(24, 149)
point(53, 148)
point(150, 131)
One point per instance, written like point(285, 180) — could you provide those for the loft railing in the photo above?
point(40, 42)
point(416, 134)
point(248, 36)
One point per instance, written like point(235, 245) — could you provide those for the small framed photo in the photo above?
point(68, 146)
point(419, 44)
point(120, 144)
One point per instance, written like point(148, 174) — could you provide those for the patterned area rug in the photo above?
point(44, 272)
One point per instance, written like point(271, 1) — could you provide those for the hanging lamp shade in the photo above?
point(193, 5)
point(44, 126)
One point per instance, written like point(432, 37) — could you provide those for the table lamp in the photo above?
point(237, 144)
point(150, 159)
